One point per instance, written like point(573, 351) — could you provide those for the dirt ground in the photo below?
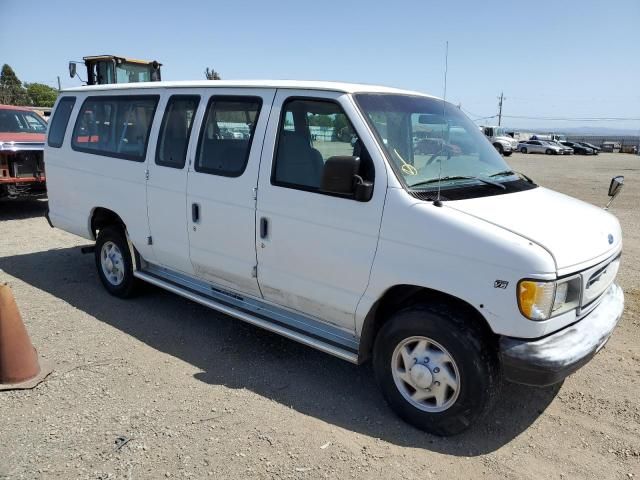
point(200, 395)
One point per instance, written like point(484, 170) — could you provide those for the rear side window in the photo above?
point(226, 136)
point(58, 126)
point(115, 126)
point(175, 130)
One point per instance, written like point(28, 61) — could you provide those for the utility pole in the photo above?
point(501, 98)
point(59, 83)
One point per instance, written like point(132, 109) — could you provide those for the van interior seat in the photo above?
point(298, 162)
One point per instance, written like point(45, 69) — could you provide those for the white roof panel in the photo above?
point(283, 84)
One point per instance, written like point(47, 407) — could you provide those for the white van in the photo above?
point(448, 269)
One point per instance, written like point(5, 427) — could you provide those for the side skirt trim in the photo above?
point(348, 353)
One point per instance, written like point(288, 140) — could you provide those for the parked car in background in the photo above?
point(539, 146)
point(578, 148)
point(22, 134)
point(565, 150)
point(595, 149)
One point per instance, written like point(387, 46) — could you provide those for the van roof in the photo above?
point(284, 84)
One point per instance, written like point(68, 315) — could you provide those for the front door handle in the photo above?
point(264, 228)
point(195, 212)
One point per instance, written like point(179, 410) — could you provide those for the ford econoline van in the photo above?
point(367, 222)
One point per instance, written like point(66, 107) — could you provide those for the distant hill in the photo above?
point(583, 130)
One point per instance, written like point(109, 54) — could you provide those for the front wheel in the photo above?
point(499, 148)
point(436, 369)
point(507, 154)
point(523, 150)
point(114, 263)
point(548, 151)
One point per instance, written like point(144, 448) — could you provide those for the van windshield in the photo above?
point(431, 142)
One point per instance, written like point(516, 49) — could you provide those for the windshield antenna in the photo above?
point(438, 202)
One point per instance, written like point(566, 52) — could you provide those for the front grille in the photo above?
point(26, 164)
point(596, 281)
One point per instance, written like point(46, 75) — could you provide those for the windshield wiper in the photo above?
point(459, 177)
point(511, 172)
point(504, 172)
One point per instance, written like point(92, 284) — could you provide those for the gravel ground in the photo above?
point(193, 393)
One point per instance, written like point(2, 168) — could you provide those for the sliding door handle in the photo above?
point(195, 212)
point(264, 228)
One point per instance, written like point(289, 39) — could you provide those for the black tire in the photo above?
point(128, 287)
point(548, 151)
point(507, 154)
point(477, 366)
point(499, 148)
point(523, 150)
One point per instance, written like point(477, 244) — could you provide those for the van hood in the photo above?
point(572, 231)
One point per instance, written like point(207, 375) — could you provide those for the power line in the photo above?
point(475, 115)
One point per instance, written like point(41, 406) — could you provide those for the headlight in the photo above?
point(540, 300)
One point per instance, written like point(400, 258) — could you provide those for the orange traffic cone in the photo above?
point(19, 367)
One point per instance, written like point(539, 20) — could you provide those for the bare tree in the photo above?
point(212, 74)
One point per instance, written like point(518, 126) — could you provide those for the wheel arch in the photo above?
point(102, 217)
point(401, 296)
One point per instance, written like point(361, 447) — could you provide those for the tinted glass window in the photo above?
point(311, 131)
point(175, 130)
point(115, 126)
point(21, 121)
point(58, 126)
point(227, 132)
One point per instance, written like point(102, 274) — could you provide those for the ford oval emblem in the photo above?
point(610, 239)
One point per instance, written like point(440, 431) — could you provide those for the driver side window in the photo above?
point(310, 132)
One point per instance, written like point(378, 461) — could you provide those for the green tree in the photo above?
point(212, 74)
point(11, 90)
point(41, 95)
point(318, 120)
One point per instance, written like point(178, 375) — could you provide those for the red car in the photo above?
point(22, 134)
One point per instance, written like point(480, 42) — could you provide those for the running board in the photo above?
point(346, 352)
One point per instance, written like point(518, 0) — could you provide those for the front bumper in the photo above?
point(550, 359)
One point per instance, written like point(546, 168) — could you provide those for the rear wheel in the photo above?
point(435, 369)
point(523, 149)
point(114, 263)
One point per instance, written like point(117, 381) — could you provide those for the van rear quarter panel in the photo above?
point(438, 248)
point(79, 182)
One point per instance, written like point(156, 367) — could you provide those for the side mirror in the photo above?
point(341, 176)
point(614, 189)
point(72, 69)
point(616, 185)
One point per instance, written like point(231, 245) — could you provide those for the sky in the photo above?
point(571, 59)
